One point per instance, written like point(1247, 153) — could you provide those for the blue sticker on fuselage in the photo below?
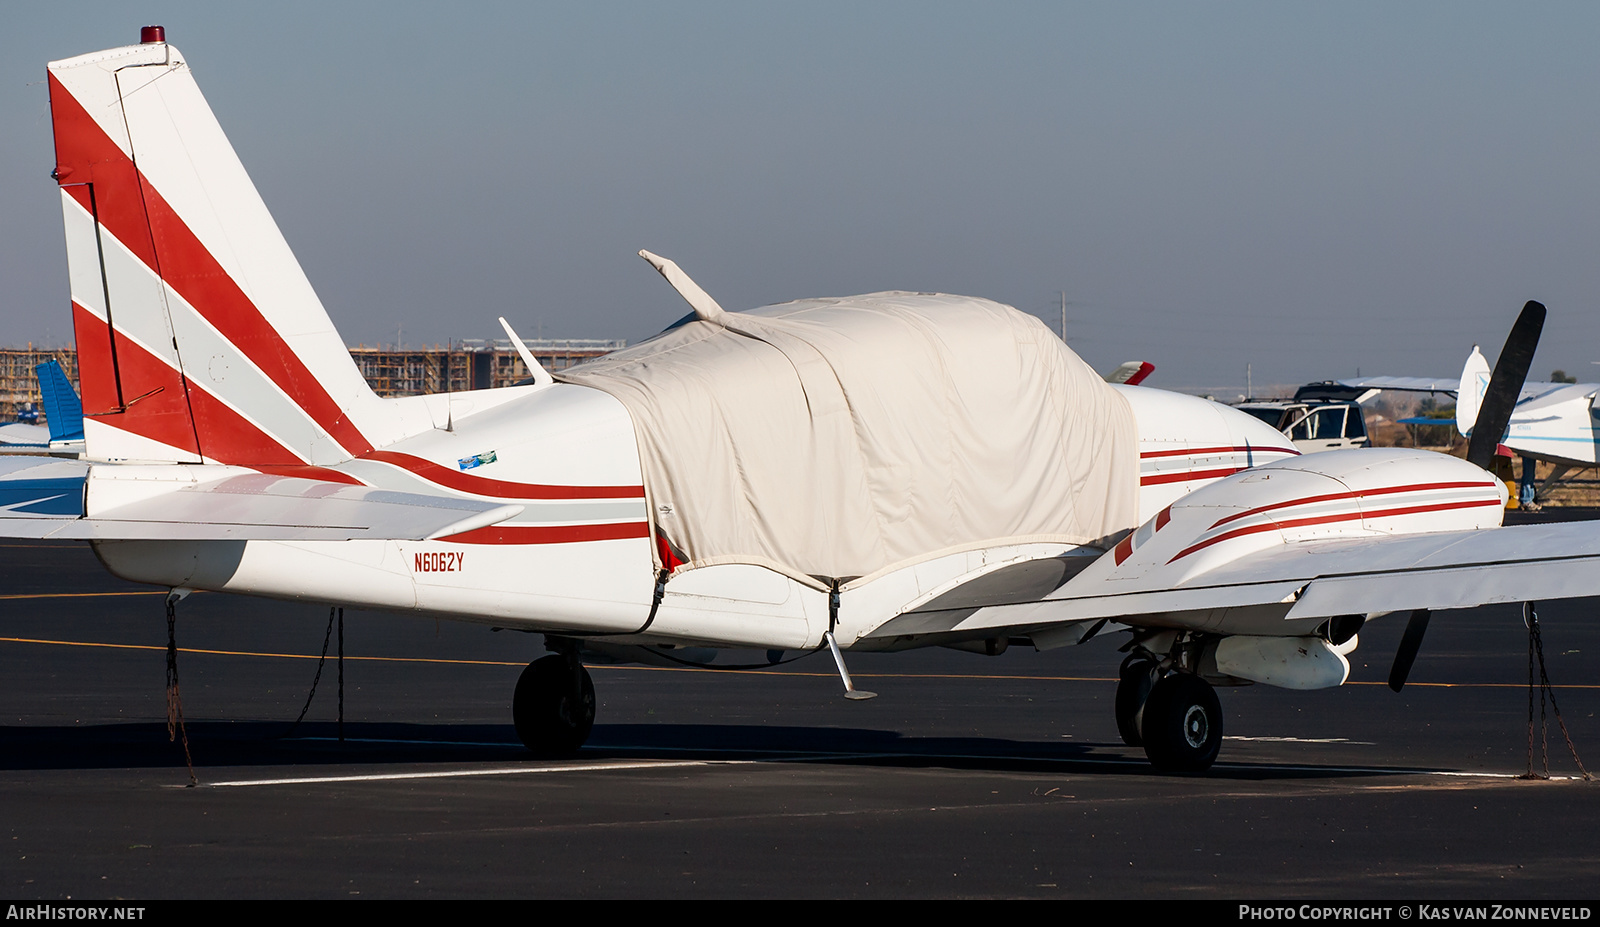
point(477, 460)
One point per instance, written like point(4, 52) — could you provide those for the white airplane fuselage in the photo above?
point(1557, 425)
point(578, 560)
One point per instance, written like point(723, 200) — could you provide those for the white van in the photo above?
point(1312, 425)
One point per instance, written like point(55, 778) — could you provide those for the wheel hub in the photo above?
point(1196, 726)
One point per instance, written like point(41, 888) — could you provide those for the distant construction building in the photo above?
point(470, 364)
point(474, 363)
point(19, 386)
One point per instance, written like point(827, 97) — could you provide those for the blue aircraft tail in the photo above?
point(63, 412)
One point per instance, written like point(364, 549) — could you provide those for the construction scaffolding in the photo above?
point(458, 367)
point(473, 363)
point(19, 385)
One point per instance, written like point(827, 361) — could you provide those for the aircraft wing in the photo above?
point(1531, 389)
point(1447, 385)
point(1314, 579)
point(42, 498)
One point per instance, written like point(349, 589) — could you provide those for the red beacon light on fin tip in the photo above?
point(152, 34)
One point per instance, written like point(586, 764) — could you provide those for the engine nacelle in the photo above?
point(1286, 662)
point(1363, 492)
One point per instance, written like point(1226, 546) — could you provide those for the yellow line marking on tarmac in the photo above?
point(249, 653)
point(80, 595)
point(713, 669)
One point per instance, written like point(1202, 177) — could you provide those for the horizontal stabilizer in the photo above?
point(70, 499)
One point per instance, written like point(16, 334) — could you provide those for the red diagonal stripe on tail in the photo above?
point(162, 415)
point(154, 392)
point(134, 212)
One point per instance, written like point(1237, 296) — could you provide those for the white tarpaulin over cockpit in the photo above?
point(840, 438)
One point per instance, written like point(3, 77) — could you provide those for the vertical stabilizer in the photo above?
point(63, 412)
point(199, 336)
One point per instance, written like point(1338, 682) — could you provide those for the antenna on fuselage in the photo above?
point(705, 308)
point(541, 376)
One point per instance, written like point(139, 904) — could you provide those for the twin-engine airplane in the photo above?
point(877, 472)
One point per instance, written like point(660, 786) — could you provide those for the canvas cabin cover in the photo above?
point(842, 438)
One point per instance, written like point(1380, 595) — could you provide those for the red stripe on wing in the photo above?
point(306, 472)
point(1328, 519)
point(1353, 494)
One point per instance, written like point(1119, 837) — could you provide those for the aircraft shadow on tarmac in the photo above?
point(231, 744)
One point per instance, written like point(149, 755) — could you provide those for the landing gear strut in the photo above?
point(1139, 673)
point(1165, 705)
point(553, 707)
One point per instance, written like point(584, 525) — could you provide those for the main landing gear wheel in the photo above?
point(553, 707)
point(1137, 676)
point(1182, 724)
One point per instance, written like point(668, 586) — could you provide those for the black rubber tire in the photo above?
point(553, 716)
point(1135, 679)
point(1182, 724)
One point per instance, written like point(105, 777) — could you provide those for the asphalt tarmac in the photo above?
point(969, 776)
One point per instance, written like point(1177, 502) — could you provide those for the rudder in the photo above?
point(199, 336)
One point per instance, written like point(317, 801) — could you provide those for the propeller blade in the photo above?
point(1505, 385)
point(1409, 645)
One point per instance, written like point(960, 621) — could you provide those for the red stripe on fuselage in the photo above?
point(133, 211)
point(1158, 478)
point(1214, 451)
point(1328, 519)
point(500, 489)
point(555, 534)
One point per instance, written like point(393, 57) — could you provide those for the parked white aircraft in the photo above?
point(1553, 422)
point(879, 472)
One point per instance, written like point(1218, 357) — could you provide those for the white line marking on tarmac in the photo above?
point(396, 740)
point(802, 756)
point(1301, 740)
point(503, 771)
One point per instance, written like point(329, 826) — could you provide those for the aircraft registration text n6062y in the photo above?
point(448, 561)
point(876, 472)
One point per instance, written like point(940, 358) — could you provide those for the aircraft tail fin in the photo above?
point(63, 412)
point(199, 336)
point(1131, 373)
point(1469, 394)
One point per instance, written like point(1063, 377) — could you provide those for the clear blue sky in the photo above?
point(1310, 188)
